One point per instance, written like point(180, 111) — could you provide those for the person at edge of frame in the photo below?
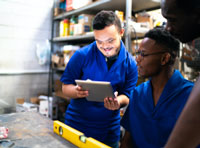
point(183, 21)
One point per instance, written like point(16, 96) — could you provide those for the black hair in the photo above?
point(104, 19)
point(188, 6)
point(164, 38)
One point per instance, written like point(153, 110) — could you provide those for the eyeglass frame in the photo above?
point(142, 54)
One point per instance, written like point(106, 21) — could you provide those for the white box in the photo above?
point(43, 107)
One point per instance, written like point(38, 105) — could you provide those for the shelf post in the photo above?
point(127, 28)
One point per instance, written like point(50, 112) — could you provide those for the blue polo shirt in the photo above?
point(150, 125)
point(92, 118)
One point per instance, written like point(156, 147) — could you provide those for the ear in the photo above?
point(165, 59)
point(121, 32)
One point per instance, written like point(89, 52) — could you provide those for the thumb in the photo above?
point(116, 93)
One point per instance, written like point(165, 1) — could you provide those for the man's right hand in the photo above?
point(81, 93)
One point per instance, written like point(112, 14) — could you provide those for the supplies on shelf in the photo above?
point(120, 14)
point(76, 25)
point(146, 19)
point(64, 28)
point(60, 59)
point(57, 60)
point(76, 4)
point(59, 7)
point(68, 51)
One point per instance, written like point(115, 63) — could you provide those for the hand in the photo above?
point(80, 93)
point(112, 103)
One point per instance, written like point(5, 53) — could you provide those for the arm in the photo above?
point(116, 103)
point(126, 141)
point(73, 91)
point(129, 84)
point(187, 129)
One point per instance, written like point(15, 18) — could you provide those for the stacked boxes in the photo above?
point(84, 24)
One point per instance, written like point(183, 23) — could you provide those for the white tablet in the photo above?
point(98, 90)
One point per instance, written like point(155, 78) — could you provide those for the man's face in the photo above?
point(184, 26)
point(149, 62)
point(108, 40)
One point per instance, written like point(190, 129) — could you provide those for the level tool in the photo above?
point(76, 137)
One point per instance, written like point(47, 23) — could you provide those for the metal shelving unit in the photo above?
point(137, 5)
point(72, 38)
point(127, 6)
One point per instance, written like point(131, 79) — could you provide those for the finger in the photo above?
point(107, 103)
point(111, 101)
point(115, 104)
point(82, 94)
point(79, 88)
point(116, 93)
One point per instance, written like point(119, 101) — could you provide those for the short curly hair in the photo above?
point(104, 19)
point(187, 6)
point(164, 38)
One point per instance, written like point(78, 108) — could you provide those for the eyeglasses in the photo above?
point(142, 54)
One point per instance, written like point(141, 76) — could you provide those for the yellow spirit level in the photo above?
point(75, 137)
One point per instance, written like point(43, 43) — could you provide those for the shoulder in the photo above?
point(184, 82)
point(186, 86)
point(130, 61)
point(86, 50)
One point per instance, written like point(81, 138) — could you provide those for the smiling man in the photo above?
point(156, 104)
point(106, 59)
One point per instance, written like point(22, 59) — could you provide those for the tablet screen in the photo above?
point(98, 90)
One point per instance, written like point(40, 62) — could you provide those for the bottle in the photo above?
point(61, 31)
point(73, 21)
point(66, 27)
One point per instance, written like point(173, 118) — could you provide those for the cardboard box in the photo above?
point(80, 29)
point(20, 100)
point(85, 19)
point(145, 18)
point(58, 61)
point(55, 59)
point(35, 100)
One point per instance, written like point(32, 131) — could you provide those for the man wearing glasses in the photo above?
point(156, 104)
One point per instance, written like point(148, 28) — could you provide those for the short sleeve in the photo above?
point(73, 69)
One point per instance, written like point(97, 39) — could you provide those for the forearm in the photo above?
point(126, 141)
point(187, 129)
point(123, 99)
point(69, 90)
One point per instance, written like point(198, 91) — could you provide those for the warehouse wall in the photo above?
point(23, 24)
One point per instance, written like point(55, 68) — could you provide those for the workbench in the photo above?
point(32, 130)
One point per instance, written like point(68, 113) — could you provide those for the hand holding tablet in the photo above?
point(98, 90)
